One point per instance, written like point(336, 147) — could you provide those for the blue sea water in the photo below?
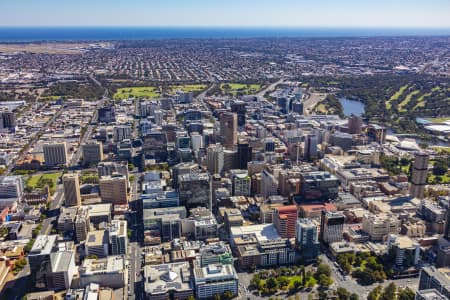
point(34, 34)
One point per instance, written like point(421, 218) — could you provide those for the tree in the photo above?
point(343, 294)
point(271, 283)
point(217, 297)
point(406, 294)
point(228, 295)
point(325, 281)
point(354, 297)
point(322, 269)
point(375, 293)
point(389, 292)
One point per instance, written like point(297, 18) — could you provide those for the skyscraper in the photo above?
point(113, 189)
point(92, 153)
point(71, 185)
point(419, 175)
point(244, 155)
point(228, 129)
point(239, 107)
point(307, 238)
point(354, 124)
point(118, 237)
point(215, 158)
point(310, 150)
point(331, 226)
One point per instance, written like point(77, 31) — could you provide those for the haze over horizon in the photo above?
point(231, 13)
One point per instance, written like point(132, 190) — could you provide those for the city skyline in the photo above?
point(250, 13)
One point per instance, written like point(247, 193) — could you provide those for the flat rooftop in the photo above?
point(263, 232)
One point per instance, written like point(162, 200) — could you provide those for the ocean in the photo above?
point(38, 34)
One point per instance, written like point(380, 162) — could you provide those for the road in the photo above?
point(310, 103)
point(135, 289)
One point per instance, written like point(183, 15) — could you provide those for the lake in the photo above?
point(352, 107)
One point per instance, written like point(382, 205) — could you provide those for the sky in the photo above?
point(227, 13)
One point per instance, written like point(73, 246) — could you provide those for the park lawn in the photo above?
point(441, 150)
point(445, 179)
point(421, 101)
point(321, 108)
point(294, 279)
point(245, 89)
point(33, 181)
point(396, 96)
point(188, 88)
point(406, 100)
point(436, 89)
point(49, 98)
point(405, 169)
point(148, 92)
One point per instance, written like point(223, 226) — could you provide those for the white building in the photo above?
point(215, 279)
point(378, 227)
point(118, 237)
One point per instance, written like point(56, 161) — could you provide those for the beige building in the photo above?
point(114, 189)
point(378, 227)
point(228, 130)
point(71, 183)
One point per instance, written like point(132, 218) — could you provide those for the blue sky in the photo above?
point(248, 13)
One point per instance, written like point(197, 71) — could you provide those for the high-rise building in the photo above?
point(318, 186)
point(215, 279)
point(307, 238)
point(39, 255)
point(419, 175)
point(109, 168)
point(310, 150)
point(239, 107)
point(228, 129)
point(269, 184)
point(244, 155)
point(121, 132)
point(194, 190)
point(405, 250)
point(118, 237)
point(71, 183)
point(82, 224)
point(55, 154)
point(331, 226)
point(433, 278)
point(214, 158)
point(8, 120)
point(354, 124)
point(241, 183)
point(11, 187)
point(62, 270)
point(114, 189)
point(97, 243)
point(107, 114)
point(285, 219)
point(92, 153)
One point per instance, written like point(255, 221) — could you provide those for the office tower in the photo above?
point(182, 168)
point(239, 107)
point(196, 141)
point(92, 153)
point(39, 256)
point(378, 227)
point(405, 251)
point(307, 238)
point(62, 270)
point(177, 276)
point(310, 150)
point(331, 226)
point(434, 278)
point(166, 221)
point(113, 189)
point(106, 272)
point(107, 114)
point(200, 225)
point(297, 107)
point(354, 124)
point(419, 175)
point(244, 155)
point(118, 237)
point(155, 145)
point(342, 139)
point(55, 154)
point(82, 224)
point(109, 168)
point(97, 243)
point(215, 158)
point(11, 187)
point(228, 130)
point(159, 116)
point(122, 132)
point(194, 190)
point(285, 219)
point(269, 184)
point(215, 279)
point(71, 183)
point(241, 183)
point(318, 186)
point(8, 120)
